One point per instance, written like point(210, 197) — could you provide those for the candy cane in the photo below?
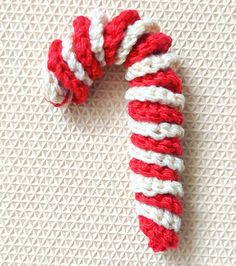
point(155, 107)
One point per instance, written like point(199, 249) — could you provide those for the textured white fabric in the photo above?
point(132, 34)
point(151, 186)
point(161, 159)
point(159, 216)
point(155, 131)
point(155, 94)
point(64, 185)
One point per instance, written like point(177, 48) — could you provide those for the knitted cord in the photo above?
point(155, 107)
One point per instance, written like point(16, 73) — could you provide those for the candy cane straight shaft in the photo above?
point(155, 106)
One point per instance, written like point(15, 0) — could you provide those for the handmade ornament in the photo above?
point(155, 107)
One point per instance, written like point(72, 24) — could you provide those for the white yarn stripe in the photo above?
point(151, 64)
point(151, 186)
point(132, 34)
point(155, 131)
point(53, 92)
point(161, 159)
point(75, 66)
point(98, 21)
point(155, 94)
point(159, 216)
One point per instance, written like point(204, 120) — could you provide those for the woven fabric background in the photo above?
point(64, 178)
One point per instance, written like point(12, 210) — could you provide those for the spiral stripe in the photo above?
point(82, 48)
point(151, 64)
point(152, 43)
point(159, 216)
point(133, 33)
point(155, 94)
point(153, 170)
point(151, 186)
point(154, 108)
point(154, 112)
point(167, 145)
point(98, 22)
point(155, 131)
point(162, 201)
point(165, 78)
point(74, 65)
point(66, 78)
point(114, 33)
point(173, 162)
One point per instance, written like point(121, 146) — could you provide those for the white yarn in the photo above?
point(159, 216)
point(74, 65)
point(161, 159)
point(151, 186)
point(151, 64)
point(155, 94)
point(155, 131)
point(98, 21)
point(132, 34)
point(53, 92)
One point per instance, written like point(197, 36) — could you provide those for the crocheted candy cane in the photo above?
point(155, 104)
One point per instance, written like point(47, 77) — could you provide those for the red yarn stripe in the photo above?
point(65, 76)
point(166, 78)
point(82, 48)
point(166, 145)
point(114, 33)
point(154, 112)
point(153, 170)
point(153, 43)
point(165, 201)
point(160, 238)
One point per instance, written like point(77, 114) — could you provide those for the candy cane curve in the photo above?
point(155, 107)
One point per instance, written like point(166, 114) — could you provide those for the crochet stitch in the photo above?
point(155, 107)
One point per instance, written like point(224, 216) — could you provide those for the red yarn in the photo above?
point(153, 43)
point(166, 145)
point(65, 76)
point(166, 78)
point(153, 170)
point(114, 33)
point(154, 112)
point(82, 48)
point(164, 201)
point(160, 238)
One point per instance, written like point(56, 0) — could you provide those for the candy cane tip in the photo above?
point(160, 238)
point(53, 92)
